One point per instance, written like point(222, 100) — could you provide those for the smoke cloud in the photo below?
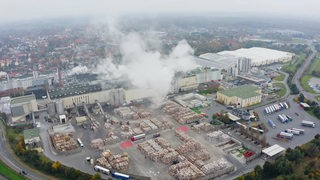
point(2, 73)
point(146, 68)
point(78, 70)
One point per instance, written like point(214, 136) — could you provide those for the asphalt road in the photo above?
point(296, 78)
point(8, 157)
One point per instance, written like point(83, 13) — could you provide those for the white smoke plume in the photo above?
point(148, 69)
point(78, 70)
point(2, 73)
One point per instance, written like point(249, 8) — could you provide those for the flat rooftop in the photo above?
point(216, 60)
point(273, 150)
point(73, 90)
point(258, 54)
point(31, 133)
point(22, 99)
point(245, 91)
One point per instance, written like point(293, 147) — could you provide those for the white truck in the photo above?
point(308, 123)
point(295, 132)
point(300, 130)
point(285, 135)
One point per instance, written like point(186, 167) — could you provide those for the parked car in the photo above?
point(248, 154)
point(23, 172)
point(296, 114)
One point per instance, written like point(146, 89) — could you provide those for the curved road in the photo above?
point(297, 76)
point(9, 158)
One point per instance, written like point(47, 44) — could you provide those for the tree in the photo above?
point(96, 177)
point(225, 118)
point(294, 155)
point(294, 89)
point(269, 170)
point(214, 116)
point(258, 172)
point(56, 166)
point(301, 97)
point(20, 150)
point(312, 150)
point(283, 166)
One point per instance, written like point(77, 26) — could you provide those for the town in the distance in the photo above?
point(160, 98)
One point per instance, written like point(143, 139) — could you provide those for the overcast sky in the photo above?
point(12, 10)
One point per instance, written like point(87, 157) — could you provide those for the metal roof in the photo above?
point(258, 54)
point(273, 150)
point(31, 133)
point(245, 91)
point(22, 99)
point(233, 117)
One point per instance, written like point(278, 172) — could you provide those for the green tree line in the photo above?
point(299, 163)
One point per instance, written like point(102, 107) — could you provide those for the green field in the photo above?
point(305, 85)
point(9, 173)
point(298, 40)
point(282, 90)
point(280, 78)
point(291, 66)
point(315, 65)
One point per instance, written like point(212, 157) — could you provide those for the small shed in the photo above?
point(273, 150)
point(31, 136)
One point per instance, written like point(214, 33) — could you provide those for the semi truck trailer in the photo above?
point(308, 123)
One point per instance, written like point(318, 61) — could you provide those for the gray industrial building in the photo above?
point(22, 109)
point(243, 66)
point(117, 97)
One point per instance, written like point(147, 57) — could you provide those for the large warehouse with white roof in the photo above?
point(228, 59)
point(260, 56)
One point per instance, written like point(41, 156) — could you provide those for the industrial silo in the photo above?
point(60, 107)
point(51, 109)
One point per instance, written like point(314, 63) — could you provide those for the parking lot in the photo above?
point(295, 123)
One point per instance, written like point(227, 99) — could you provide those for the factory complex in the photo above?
point(194, 131)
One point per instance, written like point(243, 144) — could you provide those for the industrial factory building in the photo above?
point(32, 138)
point(34, 81)
point(22, 108)
point(192, 79)
point(260, 56)
point(242, 96)
point(115, 97)
point(222, 62)
point(240, 61)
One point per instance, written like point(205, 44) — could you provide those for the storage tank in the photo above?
point(51, 109)
point(60, 106)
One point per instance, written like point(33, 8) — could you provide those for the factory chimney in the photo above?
point(59, 77)
point(8, 78)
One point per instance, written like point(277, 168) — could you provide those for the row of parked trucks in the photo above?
point(289, 133)
point(275, 108)
point(284, 118)
point(106, 171)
